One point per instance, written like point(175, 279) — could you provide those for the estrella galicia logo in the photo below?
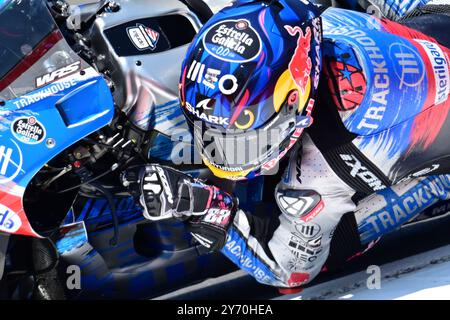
point(233, 41)
point(408, 65)
point(143, 37)
point(28, 130)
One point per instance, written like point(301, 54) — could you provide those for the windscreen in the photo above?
point(31, 48)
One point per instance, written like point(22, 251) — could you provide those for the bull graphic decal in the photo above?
point(300, 65)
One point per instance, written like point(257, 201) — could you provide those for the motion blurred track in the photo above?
point(428, 240)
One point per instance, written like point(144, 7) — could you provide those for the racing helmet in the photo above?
point(248, 84)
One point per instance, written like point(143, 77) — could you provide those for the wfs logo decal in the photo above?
point(441, 70)
point(28, 130)
point(9, 220)
point(233, 41)
point(143, 37)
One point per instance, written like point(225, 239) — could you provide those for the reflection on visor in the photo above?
point(236, 150)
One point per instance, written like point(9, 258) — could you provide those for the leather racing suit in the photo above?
point(376, 157)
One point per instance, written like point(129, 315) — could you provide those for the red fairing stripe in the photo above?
point(429, 122)
point(29, 60)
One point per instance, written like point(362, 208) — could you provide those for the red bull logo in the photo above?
point(300, 65)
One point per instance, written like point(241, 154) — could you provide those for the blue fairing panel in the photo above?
point(403, 206)
point(60, 114)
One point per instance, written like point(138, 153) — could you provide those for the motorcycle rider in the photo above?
point(366, 146)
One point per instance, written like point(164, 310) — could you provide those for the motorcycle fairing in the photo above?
point(397, 112)
point(51, 95)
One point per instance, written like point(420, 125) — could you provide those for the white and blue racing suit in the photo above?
point(375, 158)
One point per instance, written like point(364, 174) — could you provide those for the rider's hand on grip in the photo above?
point(165, 193)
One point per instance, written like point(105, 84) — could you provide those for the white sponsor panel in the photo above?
point(57, 74)
point(358, 170)
point(143, 37)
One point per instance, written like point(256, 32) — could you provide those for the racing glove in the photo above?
point(166, 193)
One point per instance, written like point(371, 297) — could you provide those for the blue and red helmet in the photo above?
point(248, 84)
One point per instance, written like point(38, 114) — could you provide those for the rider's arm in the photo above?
point(166, 193)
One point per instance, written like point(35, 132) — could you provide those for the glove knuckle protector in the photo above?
point(159, 186)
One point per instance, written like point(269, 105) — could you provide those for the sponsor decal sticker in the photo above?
point(440, 68)
point(57, 74)
point(11, 161)
point(421, 173)
point(297, 279)
point(403, 208)
point(237, 250)
point(165, 184)
point(250, 120)
point(28, 130)
point(307, 230)
point(198, 72)
point(318, 41)
point(300, 65)
point(381, 89)
point(217, 216)
point(409, 66)
point(233, 41)
point(360, 171)
point(304, 251)
point(9, 220)
point(143, 37)
point(314, 212)
point(205, 117)
point(44, 93)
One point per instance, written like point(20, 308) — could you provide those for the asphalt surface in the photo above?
point(406, 242)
